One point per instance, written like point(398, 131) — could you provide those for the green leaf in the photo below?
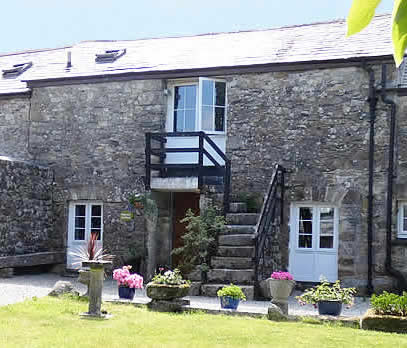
point(399, 30)
point(360, 15)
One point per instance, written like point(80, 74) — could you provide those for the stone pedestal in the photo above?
point(280, 289)
point(95, 287)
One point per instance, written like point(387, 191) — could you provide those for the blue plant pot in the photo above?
point(126, 293)
point(329, 307)
point(227, 302)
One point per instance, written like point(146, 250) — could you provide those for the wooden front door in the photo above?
point(182, 202)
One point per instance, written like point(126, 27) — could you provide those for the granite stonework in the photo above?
point(315, 123)
point(26, 211)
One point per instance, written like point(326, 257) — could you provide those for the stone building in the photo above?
point(88, 125)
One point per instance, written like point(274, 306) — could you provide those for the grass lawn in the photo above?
point(51, 322)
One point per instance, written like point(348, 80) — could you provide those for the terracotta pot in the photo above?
point(166, 292)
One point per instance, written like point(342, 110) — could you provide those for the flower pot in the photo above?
point(227, 302)
point(166, 292)
point(126, 293)
point(329, 308)
point(280, 288)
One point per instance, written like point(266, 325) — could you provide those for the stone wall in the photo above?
point(315, 123)
point(26, 212)
point(92, 136)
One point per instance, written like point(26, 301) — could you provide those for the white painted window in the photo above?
point(316, 227)
point(402, 221)
point(86, 219)
point(198, 105)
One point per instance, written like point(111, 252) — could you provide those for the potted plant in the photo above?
point(328, 297)
point(127, 282)
point(230, 296)
point(281, 285)
point(167, 285)
point(137, 200)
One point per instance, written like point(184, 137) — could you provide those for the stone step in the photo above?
point(227, 276)
point(236, 251)
point(212, 289)
point(232, 262)
point(242, 218)
point(239, 229)
point(236, 240)
point(238, 207)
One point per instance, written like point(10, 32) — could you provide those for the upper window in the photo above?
point(402, 221)
point(109, 56)
point(199, 106)
point(16, 69)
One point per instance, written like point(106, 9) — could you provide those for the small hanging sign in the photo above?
point(126, 216)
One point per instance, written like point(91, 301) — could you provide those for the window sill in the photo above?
point(399, 241)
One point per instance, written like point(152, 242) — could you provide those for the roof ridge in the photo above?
point(339, 20)
point(34, 51)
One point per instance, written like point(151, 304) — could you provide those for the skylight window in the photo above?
point(16, 70)
point(109, 56)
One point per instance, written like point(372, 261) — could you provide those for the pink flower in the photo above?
point(124, 278)
point(282, 275)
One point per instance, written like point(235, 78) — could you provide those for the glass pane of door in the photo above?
point(305, 227)
point(326, 227)
point(185, 108)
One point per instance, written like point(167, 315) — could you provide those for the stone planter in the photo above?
point(166, 292)
point(389, 323)
point(280, 289)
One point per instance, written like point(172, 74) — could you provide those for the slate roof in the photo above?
point(318, 42)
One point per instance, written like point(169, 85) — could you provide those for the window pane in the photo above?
point(96, 210)
point(97, 231)
point(305, 227)
point(189, 120)
point(305, 241)
point(305, 213)
point(207, 92)
point(80, 210)
point(179, 97)
point(190, 97)
point(326, 242)
point(179, 121)
point(219, 119)
point(79, 234)
point(80, 222)
point(96, 222)
point(220, 96)
point(327, 228)
point(207, 118)
point(327, 213)
point(404, 224)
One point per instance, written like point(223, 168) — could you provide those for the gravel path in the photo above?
point(21, 287)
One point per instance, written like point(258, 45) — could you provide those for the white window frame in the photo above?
point(88, 215)
point(400, 217)
point(316, 232)
point(198, 82)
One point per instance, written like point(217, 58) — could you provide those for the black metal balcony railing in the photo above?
point(197, 168)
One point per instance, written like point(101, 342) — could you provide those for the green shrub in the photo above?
point(253, 201)
point(390, 304)
point(232, 291)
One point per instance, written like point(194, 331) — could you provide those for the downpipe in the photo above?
point(372, 100)
point(401, 280)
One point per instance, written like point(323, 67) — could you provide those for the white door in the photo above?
point(314, 243)
point(196, 106)
point(84, 219)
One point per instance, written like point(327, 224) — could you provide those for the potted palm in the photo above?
point(328, 297)
point(230, 296)
point(127, 282)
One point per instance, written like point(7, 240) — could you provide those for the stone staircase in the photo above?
point(234, 260)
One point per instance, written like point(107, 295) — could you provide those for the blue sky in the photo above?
point(31, 24)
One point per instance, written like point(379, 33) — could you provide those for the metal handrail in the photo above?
point(269, 219)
